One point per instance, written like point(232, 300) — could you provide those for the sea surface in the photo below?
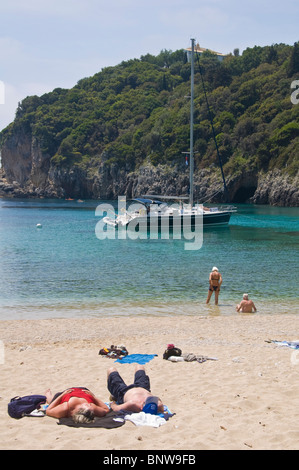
point(61, 269)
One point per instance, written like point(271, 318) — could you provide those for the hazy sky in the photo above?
point(47, 44)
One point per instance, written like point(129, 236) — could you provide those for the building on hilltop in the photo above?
point(200, 50)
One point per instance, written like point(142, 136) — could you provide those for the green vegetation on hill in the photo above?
point(138, 111)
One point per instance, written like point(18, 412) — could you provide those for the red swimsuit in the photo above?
point(78, 393)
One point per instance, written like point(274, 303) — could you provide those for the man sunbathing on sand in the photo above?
point(131, 397)
point(246, 306)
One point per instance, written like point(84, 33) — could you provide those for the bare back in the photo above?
point(247, 306)
point(215, 278)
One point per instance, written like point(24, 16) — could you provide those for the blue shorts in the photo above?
point(117, 387)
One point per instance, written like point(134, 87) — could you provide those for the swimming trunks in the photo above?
point(117, 387)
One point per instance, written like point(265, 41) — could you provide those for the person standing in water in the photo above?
point(215, 281)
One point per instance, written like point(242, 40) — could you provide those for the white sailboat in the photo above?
point(152, 206)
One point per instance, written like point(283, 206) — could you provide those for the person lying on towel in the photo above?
point(135, 397)
point(78, 403)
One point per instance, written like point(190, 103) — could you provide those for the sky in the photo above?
point(49, 44)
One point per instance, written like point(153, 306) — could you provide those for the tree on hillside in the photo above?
point(294, 60)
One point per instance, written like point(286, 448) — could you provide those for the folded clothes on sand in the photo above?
point(145, 419)
point(190, 357)
point(174, 354)
point(114, 351)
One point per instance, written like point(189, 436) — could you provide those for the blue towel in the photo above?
point(139, 358)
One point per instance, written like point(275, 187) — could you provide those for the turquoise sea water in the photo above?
point(63, 270)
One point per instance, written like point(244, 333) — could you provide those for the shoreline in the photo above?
point(57, 330)
point(241, 401)
point(125, 309)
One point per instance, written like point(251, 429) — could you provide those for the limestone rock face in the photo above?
point(277, 189)
point(28, 172)
point(16, 158)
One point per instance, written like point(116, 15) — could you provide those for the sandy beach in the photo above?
point(247, 399)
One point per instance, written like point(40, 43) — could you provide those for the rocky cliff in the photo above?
point(124, 131)
point(29, 172)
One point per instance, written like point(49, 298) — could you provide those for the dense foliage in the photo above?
point(138, 111)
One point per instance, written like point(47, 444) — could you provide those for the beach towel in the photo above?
point(139, 358)
point(110, 421)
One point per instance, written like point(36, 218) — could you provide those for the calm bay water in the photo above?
point(63, 270)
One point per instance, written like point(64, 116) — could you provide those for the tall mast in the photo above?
point(191, 125)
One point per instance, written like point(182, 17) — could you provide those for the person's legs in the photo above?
point(210, 292)
point(141, 379)
point(49, 395)
point(216, 296)
point(116, 386)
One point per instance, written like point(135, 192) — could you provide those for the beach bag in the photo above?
point(172, 351)
point(22, 406)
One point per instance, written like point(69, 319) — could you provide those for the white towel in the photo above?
point(145, 419)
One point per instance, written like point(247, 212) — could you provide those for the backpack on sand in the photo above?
point(22, 406)
point(171, 351)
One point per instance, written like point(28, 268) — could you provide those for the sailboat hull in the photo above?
point(213, 219)
point(160, 222)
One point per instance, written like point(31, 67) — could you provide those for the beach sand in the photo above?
point(246, 399)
